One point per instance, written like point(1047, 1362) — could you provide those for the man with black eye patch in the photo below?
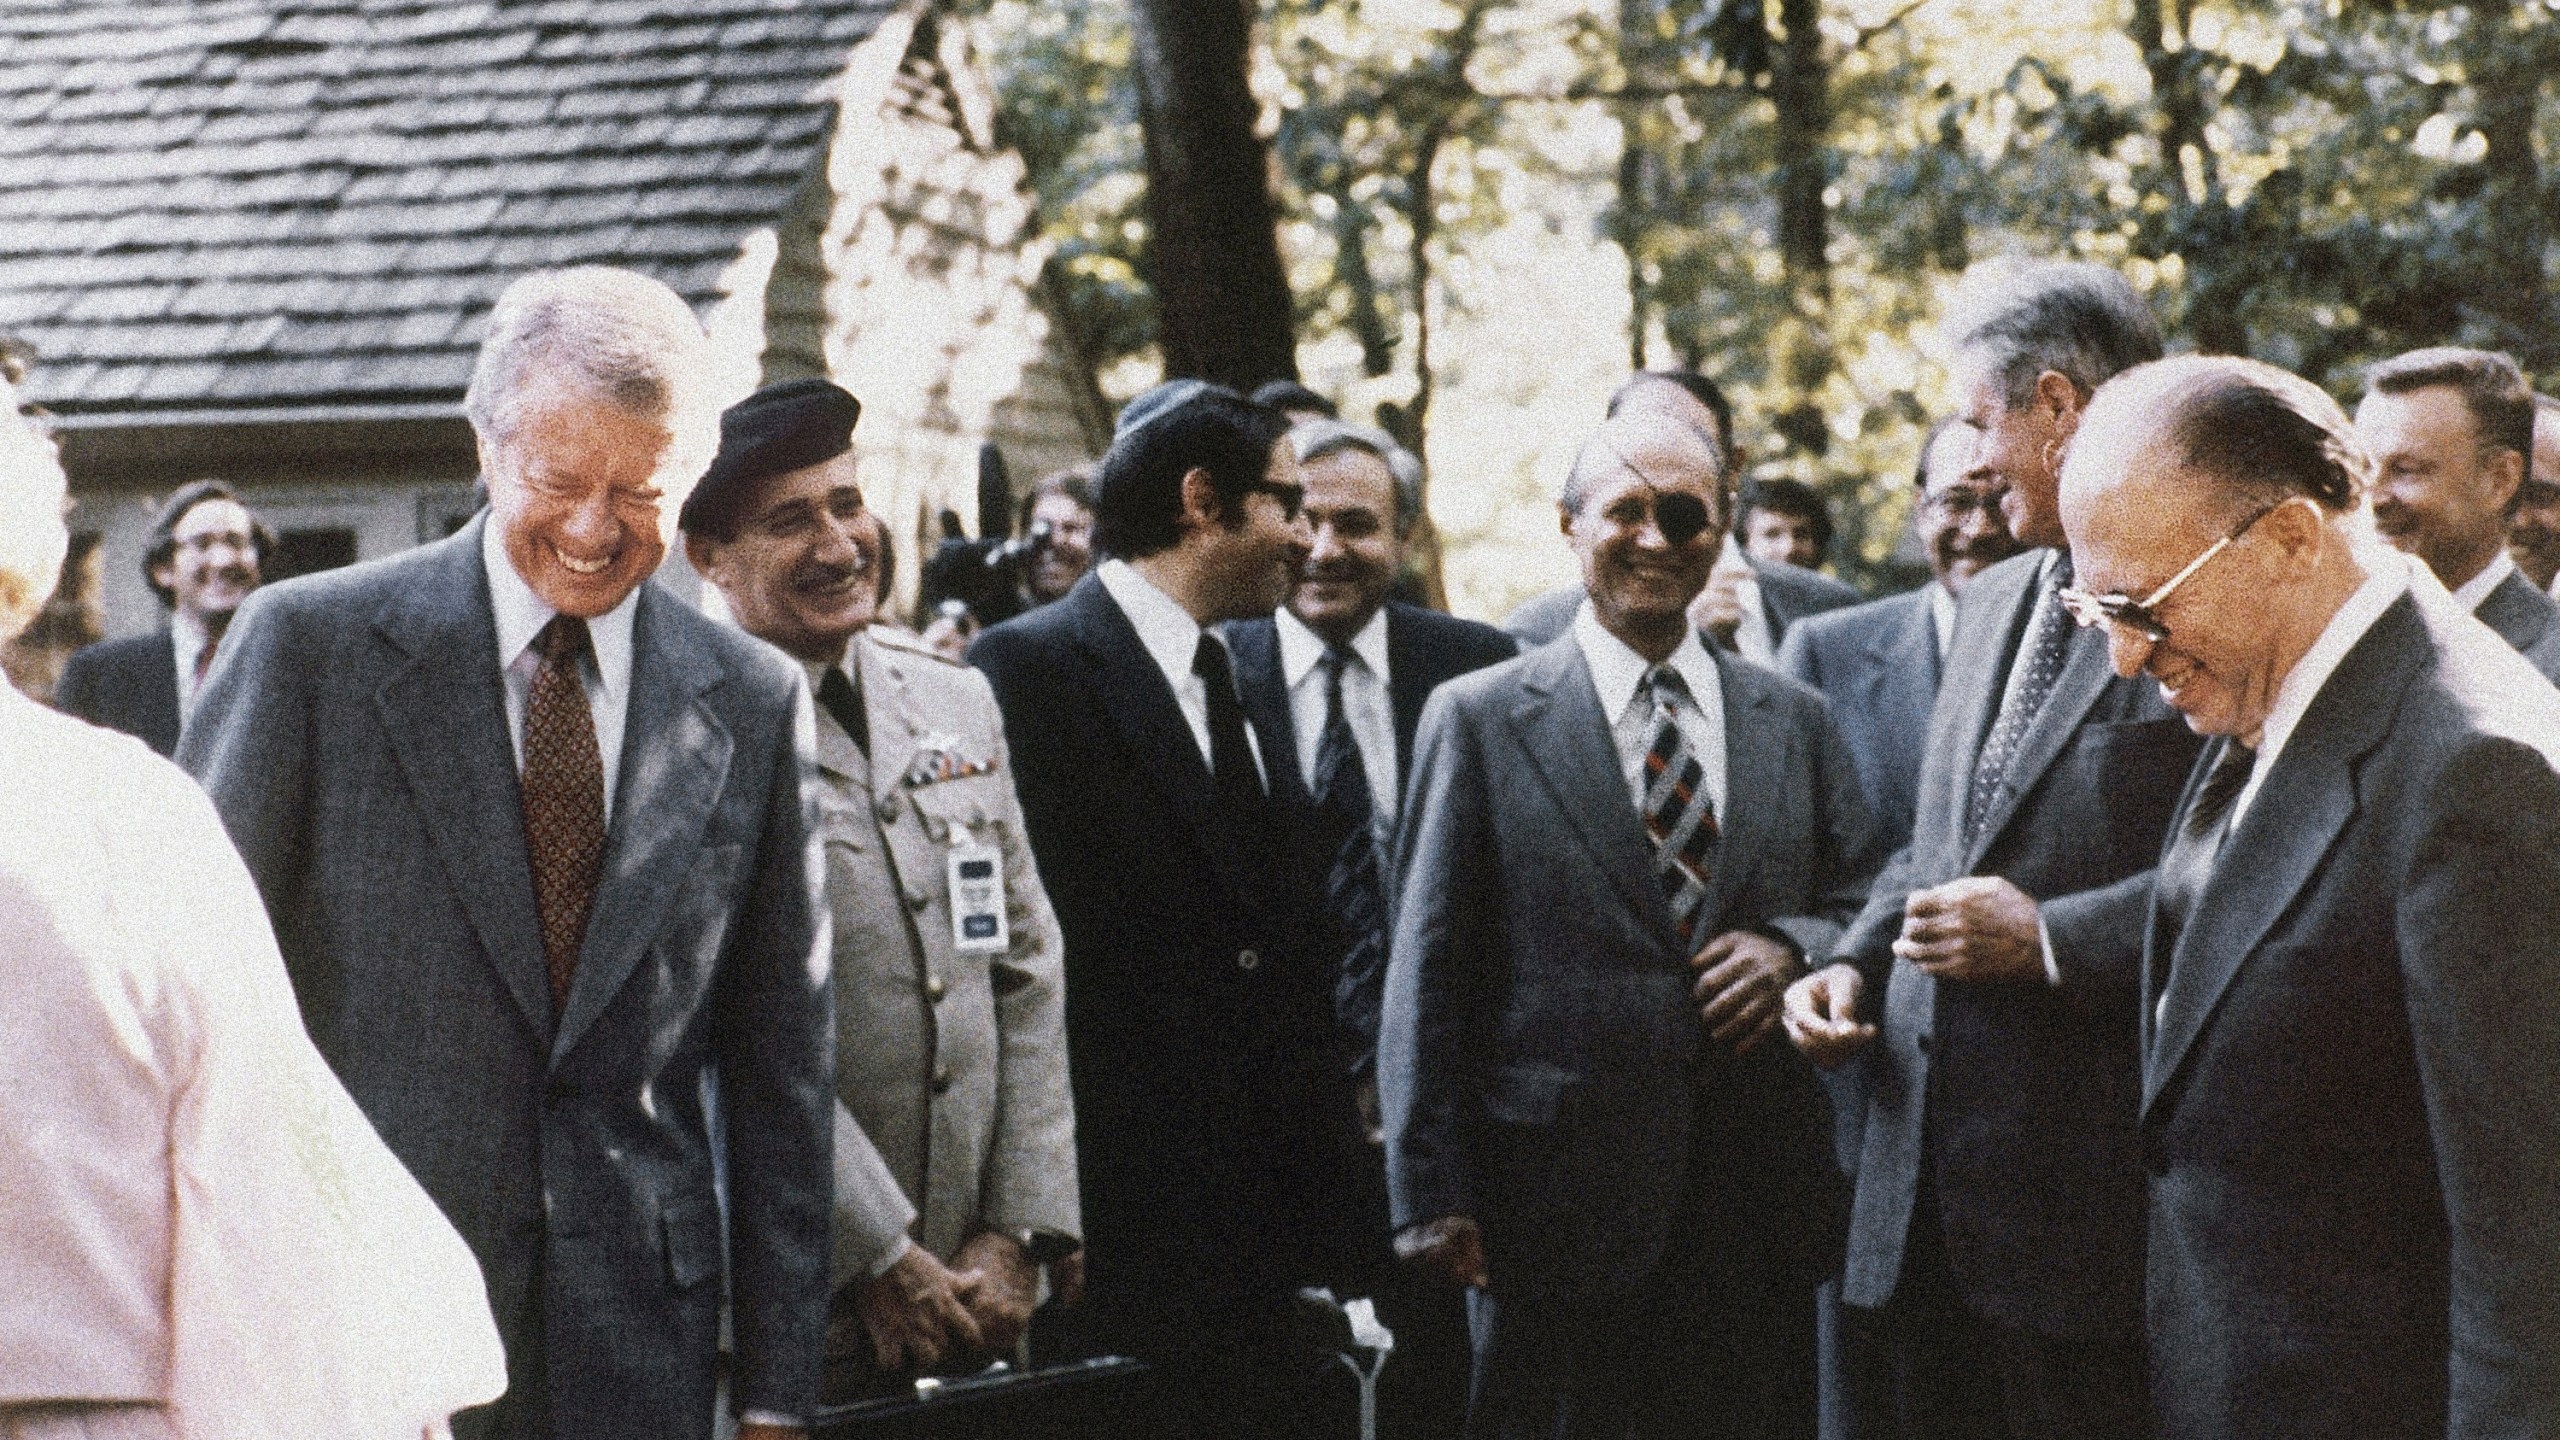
point(1616, 852)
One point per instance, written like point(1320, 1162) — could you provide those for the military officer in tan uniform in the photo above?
point(955, 1144)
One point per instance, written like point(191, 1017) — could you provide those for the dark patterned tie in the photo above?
point(1353, 896)
point(844, 702)
point(2195, 846)
point(2037, 666)
point(563, 799)
point(1678, 814)
point(1237, 784)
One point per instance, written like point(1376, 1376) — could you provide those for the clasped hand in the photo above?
point(1742, 978)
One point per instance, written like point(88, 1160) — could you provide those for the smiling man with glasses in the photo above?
point(2351, 973)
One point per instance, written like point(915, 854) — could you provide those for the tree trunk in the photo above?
point(1222, 299)
point(2507, 80)
point(1800, 86)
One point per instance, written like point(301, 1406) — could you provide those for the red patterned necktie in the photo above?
point(563, 799)
point(1678, 815)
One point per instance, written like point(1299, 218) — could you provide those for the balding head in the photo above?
point(1650, 444)
point(2210, 503)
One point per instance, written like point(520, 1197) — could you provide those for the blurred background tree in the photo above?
point(1487, 210)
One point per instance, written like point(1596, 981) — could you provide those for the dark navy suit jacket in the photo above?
point(129, 685)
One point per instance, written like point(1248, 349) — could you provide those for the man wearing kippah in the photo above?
point(955, 1135)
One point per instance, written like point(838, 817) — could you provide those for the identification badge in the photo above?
point(977, 900)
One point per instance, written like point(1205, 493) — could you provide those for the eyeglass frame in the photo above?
point(1292, 498)
point(2116, 608)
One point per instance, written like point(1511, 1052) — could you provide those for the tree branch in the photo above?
point(1889, 22)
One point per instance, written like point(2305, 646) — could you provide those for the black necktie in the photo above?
point(2188, 864)
point(1233, 778)
point(1353, 895)
point(845, 703)
point(2037, 666)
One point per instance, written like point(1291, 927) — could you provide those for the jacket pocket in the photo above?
point(1528, 1093)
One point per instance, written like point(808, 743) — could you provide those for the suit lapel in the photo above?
point(1412, 674)
point(1989, 620)
point(2517, 611)
point(675, 760)
point(157, 695)
point(1263, 688)
point(444, 716)
point(1755, 759)
point(1566, 738)
point(2302, 805)
point(1133, 691)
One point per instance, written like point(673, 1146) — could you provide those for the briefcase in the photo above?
point(1113, 1396)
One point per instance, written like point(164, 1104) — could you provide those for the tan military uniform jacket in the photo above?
point(954, 1065)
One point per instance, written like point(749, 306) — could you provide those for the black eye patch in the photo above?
point(1681, 517)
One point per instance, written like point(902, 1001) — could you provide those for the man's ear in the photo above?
point(165, 575)
point(1200, 505)
point(2062, 399)
point(2506, 476)
point(705, 556)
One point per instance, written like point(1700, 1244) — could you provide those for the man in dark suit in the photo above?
point(2351, 974)
point(206, 555)
point(1617, 849)
point(1994, 1252)
point(1878, 663)
point(535, 838)
point(1212, 1124)
point(1336, 680)
point(1747, 604)
point(2451, 435)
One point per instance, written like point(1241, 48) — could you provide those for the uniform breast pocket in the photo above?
point(962, 811)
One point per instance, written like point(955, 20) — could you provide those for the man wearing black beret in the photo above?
point(955, 1169)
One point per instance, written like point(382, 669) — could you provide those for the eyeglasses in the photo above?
point(2142, 616)
point(1960, 505)
point(1292, 498)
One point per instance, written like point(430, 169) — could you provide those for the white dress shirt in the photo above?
point(1172, 639)
point(605, 672)
point(1751, 638)
point(1366, 703)
point(1616, 672)
point(187, 639)
point(1942, 615)
point(2474, 592)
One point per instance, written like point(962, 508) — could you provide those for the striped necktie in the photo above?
point(1678, 814)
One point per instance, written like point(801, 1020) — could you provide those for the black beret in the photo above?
point(778, 429)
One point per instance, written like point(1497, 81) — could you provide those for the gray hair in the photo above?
point(628, 337)
point(1315, 439)
point(2084, 322)
point(33, 538)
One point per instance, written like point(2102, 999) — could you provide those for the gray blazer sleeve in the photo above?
point(1444, 936)
point(2479, 930)
point(1030, 1182)
point(1850, 848)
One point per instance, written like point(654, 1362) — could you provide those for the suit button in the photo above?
point(1248, 960)
point(1922, 1041)
point(888, 809)
point(941, 1079)
point(918, 901)
point(933, 987)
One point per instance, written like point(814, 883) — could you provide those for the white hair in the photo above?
point(33, 537)
point(621, 334)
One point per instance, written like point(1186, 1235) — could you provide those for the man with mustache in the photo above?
point(1337, 677)
point(2533, 531)
point(955, 1137)
point(2451, 435)
point(205, 557)
point(1878, 663)
point(1617, 849)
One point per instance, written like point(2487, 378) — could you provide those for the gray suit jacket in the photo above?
point(2023, 1093)
point(1540, 1061)
point(1878, 666)
point(2350, 1106)
point(952, 1064)
point(2527, 618)
point(355, 743)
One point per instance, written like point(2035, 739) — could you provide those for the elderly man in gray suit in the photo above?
point(534, 834)
point(2351, 970)
point(1618, 849)
point(955, 1134)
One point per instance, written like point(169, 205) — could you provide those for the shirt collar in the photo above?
point(187, 633)
point(1616, 669)
point(521, 614)
point(2387, 576)
point(2476, 589)
point(1301, 648)
point(1942, 615)
point(1171, 636)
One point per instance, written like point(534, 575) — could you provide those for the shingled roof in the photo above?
point(249, 207)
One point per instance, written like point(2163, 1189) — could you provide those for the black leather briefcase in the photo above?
point(1073, 1400)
